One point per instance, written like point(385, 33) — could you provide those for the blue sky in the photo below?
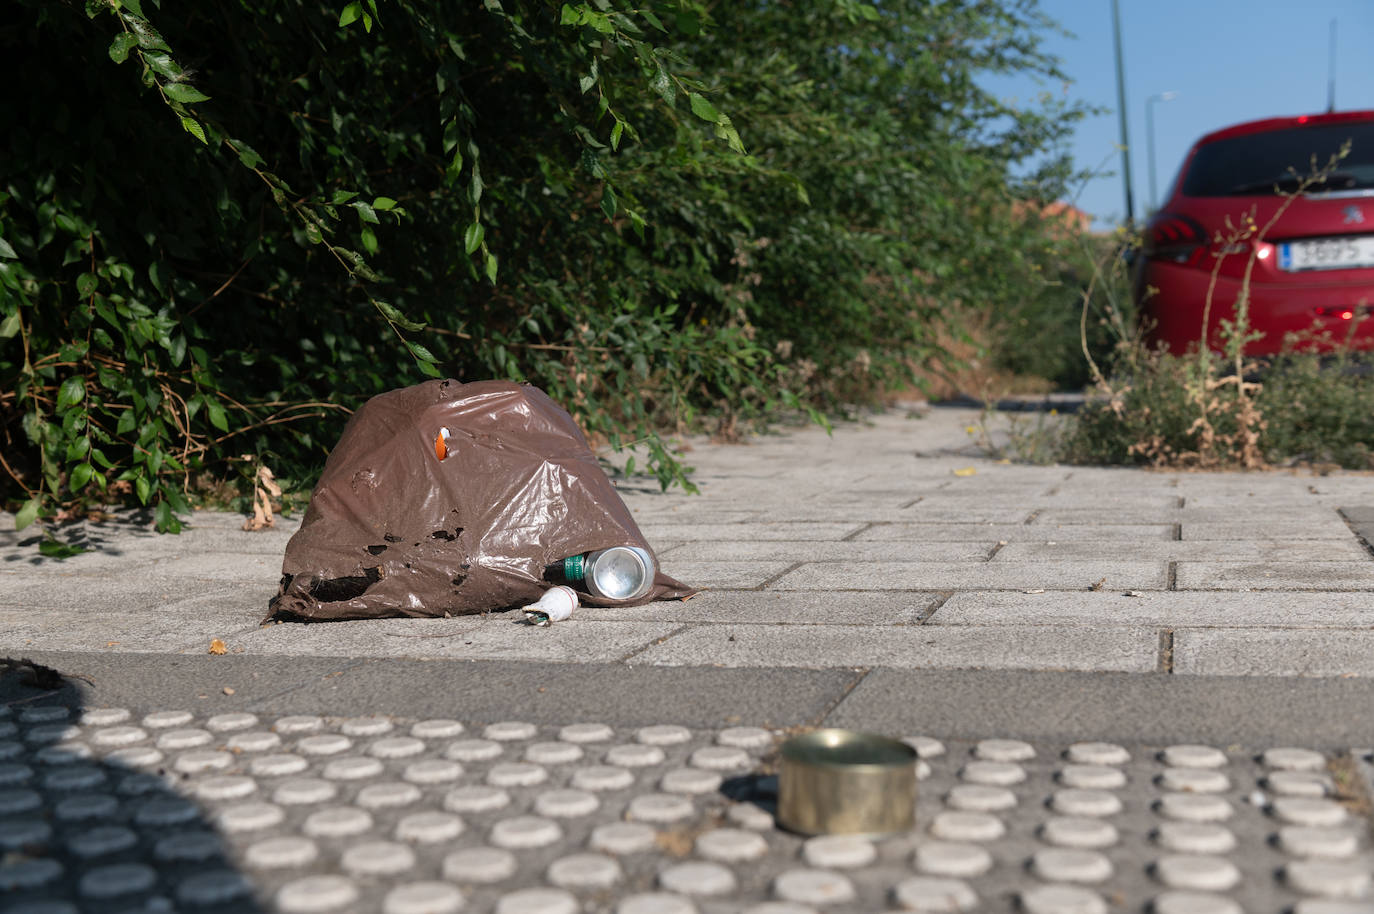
point(1228, 60)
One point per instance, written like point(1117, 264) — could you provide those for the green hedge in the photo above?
point(224, 225)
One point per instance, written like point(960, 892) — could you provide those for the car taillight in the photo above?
point(1176, 238)
point(1343, 312)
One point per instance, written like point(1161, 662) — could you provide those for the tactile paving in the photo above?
point(112, 810)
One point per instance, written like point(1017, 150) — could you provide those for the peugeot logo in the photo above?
point(1353, 215)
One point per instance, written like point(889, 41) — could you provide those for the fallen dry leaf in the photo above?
point(264, 488)
point(217, 647)
point(966, 471)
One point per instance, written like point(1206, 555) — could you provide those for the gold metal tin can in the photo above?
point(845, 782)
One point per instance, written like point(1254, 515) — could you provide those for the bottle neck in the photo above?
point(575, 567)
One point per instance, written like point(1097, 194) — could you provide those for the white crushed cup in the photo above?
point(555, 605)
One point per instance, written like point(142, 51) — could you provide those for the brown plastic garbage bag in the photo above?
point(394, 529)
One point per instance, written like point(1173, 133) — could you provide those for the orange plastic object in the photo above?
point(440, 446)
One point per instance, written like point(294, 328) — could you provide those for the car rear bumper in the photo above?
point(1311, 313)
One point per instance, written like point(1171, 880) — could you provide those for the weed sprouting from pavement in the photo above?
point(1216, 407)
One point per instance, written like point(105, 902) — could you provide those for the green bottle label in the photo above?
point(575, 567)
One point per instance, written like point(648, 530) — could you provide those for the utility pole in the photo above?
point(1153, 202)
point(1121, 114)
point(1331, 72)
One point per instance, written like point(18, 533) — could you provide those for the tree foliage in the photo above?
point(223, 225)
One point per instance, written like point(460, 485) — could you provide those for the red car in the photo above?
point(1312, 270)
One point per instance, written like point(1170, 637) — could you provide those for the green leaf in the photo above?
point(422, 353)
point(164, 521)
point(27, 514)
point(9, 326)
point(428, 368)
point(248, 155)
point(192, 126)
point(383, 203)
point(608, 202)
point(134, 6)
point(163, 65)
point(369, 239)
point(653, 20)
point(472, 238)
point(475, 187)
point(569, 16)
point(397, 318)
point(663, 85)
point(142, 488)
point(85, 284)
point(365, 212)
point(585, 83)
point(126, 422)
point(616, 131)
point(120, 47)
point(340, 197)
point(56, 549)
point(350, 14)
point(703, 108)
point(72, 392)
point(688, 22)
point(81, 475)
point(186, 94)
point(491, 267)
point(215, 412)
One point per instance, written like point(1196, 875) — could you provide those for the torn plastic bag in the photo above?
point(449, 498)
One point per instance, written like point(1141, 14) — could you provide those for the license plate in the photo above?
point(1327, 253)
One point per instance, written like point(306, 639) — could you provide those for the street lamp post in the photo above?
point(1150, 140)
point(1121, 113)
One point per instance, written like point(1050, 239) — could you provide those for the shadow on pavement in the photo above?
point(99, 828)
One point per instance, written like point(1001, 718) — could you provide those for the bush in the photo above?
point(222, 228)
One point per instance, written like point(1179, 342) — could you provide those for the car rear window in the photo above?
point(1257, 163)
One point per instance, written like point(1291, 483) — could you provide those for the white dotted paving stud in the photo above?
point(187, 810)
point(813, 887)
point(695, 878)
point(924, 893)
point(423, 898)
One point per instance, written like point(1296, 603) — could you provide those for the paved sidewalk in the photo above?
point(887, 577)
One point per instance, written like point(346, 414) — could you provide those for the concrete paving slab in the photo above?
point(975, 576)
point(1193, 550)
point(498, 636)
point(26, 629)
point(489, 691)
point(902, 608)
point(928, 511)
point(140, 589)
point(793, 531)
point(727, 575)
point(1164, 609)
point(977, 533)
point(848, 551)
point(148, 681)
point(1357, 575)
point(918, 647)
point(1258, 514)
point(1130, 709)
point(1303, 652)
point(1262, 530)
